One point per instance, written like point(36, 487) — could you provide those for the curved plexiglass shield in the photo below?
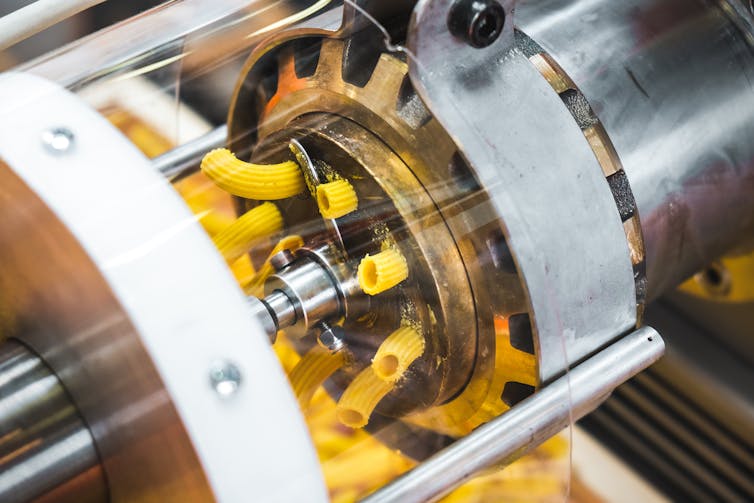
point(366, 244)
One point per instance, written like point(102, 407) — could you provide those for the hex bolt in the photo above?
point(330, 338)
point(282, 259)
point(225, 378)
point(58, 140)
point(478, 22)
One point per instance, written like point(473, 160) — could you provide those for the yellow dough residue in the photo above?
point(312, 370)
point(383, 271)
point(397, 353)
point(237, 239)
point(336, 199)
point(361, 397)
point(253, 181)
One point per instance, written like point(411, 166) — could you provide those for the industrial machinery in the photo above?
point(429, 228)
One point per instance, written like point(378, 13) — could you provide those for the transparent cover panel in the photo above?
point(393, 300)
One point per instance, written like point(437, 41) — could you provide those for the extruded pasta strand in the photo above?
point(336, 199)
point(262, 221)
point(397, 353)
point(253, 181)
point(314, 368)
point(381, 272)
point(361, 397)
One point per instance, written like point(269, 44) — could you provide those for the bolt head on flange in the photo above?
point(330, 338)
point(478, 22)
point(58, 140)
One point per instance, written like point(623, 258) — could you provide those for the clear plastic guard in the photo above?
point(430, 334)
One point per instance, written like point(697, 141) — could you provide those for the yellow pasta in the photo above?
point(313, 369)
point(383, 271)
point(361, 397)
point(397, 353)
point(262, 221)
point(253, 287)
point(336, 199)
point(243, 269)
point(253, 181)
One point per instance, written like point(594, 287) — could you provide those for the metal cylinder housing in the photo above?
point(670, 80)
point(46, 450)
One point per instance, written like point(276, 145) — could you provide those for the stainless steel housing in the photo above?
point(45, 446)
point(671, 81)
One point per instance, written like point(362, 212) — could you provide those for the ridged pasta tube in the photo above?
point(381, 272)
point(253, 181)
point(336, 199)
point(397, 353)
point(262, 221)
point(358, 401)
point(312, 370)
point(292, 243)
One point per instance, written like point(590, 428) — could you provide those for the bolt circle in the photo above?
point(478, 22)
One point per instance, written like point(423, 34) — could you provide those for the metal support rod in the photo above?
point(185, 159)
point(46, 450)
point(35, 17)
point(529, 423)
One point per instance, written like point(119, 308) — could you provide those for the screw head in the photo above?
point(58, 140)
point(330, 338)
point(282, 259)
point(478, 22)
point(225, 378)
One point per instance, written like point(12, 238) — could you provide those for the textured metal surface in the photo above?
point(531, 422)
point(671, 82)
point(379, 129)
point(46, 450)
point(394, 207)
point(534, 162)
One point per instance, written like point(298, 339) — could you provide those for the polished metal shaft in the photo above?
point(46, 450)
point(185, 159)
point(529, 423)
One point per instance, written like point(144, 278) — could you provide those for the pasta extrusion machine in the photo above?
point(447, 218)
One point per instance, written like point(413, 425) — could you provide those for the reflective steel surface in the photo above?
point(56, 300)
point(46, 450)
point(671, 81)
point(531, 157)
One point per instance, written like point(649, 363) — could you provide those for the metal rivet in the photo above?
point(225, 378)
point(58, 140)
point(478, 22)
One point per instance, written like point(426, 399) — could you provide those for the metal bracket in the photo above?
point(531, 157)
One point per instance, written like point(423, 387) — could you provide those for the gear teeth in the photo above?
point(330, 60)
point(288, 82)
point(386, 80)
point(287, 70)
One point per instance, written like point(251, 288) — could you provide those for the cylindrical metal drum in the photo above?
point(671, 81)
point(46, 450)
